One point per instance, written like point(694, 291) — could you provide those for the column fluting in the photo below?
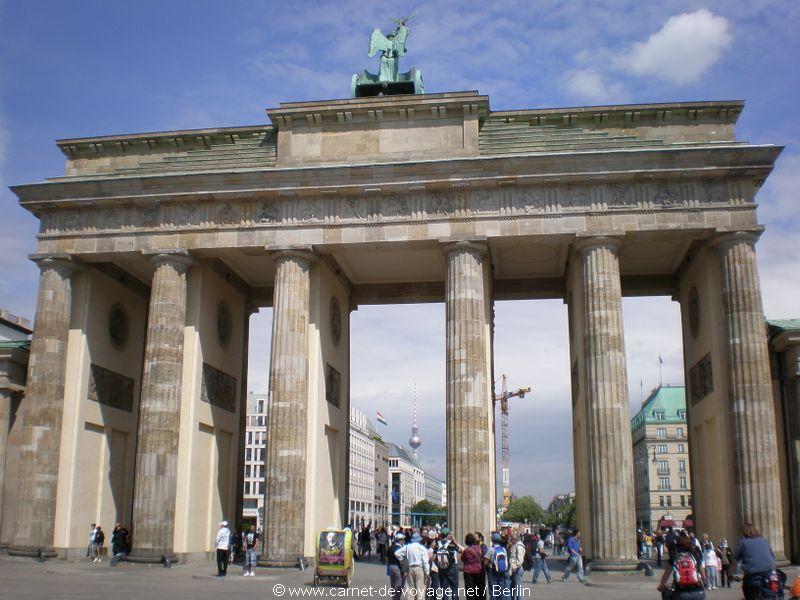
point(44, 404)
point(288, 409)
point(155, 478)
point(752, 411)
point(612, 513)
point(470, 474)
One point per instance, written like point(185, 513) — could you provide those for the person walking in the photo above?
point(97, 546)
point(497, 569)
point(516, 562)
point(250, 547)
point(414, 557)
point(659, 539)
point(394, 568)
point(540, 566)
point(726, 559)
point(381, 539)
point(222, 544)
point(684, 567)
point(474, 574)
point(756, 559)
point(575, 560)
point(445, 556)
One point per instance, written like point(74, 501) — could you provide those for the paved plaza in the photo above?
point(21, 579)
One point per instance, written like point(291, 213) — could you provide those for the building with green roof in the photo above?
point(661, 459)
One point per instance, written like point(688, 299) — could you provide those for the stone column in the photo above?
point(41, 428)
point(470, 439)
point(612, 514)
point(287, 429)
point(757, 494)
point(6, 396)
point(155, 478)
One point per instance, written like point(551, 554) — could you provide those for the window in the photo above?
point(680, 432)
point(683, 483)
point(662, 448)
point(661, 501)
point(682, 413)
point(661, 432)
point(669, 500)
point(663, 466)
point(681, 448)
point(683, 500)
point(248, 454)
point(249, 437)
point(682, 465)
point(659, 415)
point(663, 483)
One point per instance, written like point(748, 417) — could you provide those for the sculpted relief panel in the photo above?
point(207, 213)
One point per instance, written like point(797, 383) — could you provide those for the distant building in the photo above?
point(362, 470)
point(435, 490)
point(662, 479)
point(784, 344)
point(560, 501)
point(406, 484)
point(255, 451)
point(381, 483)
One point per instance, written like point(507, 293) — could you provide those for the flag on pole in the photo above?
point(381, 419)
point(660, 359)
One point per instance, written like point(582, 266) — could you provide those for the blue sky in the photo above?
point(78, 68)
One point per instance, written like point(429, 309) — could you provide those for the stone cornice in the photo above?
point(632, 114)
point(96, 145)
point(384, 179)
point(406, 106)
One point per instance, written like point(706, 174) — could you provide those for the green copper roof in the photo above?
point(667, 398)
point(778, 325)
point(22, 344)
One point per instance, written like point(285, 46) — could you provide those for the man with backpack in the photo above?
point(444, 556)
point(575, 560)
point(684, 567)
point(497, 569)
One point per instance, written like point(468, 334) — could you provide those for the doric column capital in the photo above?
point(586, 243)
point(304, 254)
point(726, 239)
point(179, 259)
point(61, 261)
point(476, 245)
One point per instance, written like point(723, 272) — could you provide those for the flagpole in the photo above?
point(660, 375)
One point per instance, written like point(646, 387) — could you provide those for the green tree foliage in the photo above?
point(424, 506)
point(563, 516)
point(524, 509)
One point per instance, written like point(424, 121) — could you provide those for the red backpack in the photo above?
point(685, 571)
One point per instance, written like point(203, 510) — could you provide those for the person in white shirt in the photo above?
point(222, 543)
point(90, 547)
point(415, 557)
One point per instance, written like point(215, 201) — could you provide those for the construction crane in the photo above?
point(503, 398)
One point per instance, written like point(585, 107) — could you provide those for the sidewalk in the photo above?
point(27, 579)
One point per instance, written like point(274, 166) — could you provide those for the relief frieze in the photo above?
point(506, 200)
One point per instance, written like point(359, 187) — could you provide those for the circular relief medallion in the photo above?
point(694, 312)
point(118, 326)
point(336, 321)
point(224, 323)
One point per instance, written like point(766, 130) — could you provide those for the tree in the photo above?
point(426, 507)
point(524, 509)
point(562, 516)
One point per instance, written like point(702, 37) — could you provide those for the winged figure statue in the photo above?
point(388, 79)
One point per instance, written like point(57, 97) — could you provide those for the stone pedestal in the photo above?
point(288, 410)
point(612, 514)
point(159, 412)
point(469, 421)
point(41, 428)
point(756, 478)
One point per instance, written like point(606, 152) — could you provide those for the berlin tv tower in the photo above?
point(415, 441)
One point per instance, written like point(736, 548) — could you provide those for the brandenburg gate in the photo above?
point(155, 248)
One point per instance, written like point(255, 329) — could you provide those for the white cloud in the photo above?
point(682, 50)
point(589, 85)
